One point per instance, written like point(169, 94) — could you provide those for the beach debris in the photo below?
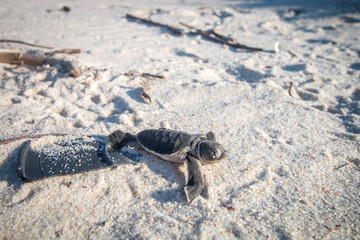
point(30, 195)
point(144, 75)
point(24, 43)
point(345, 165)
point(292, 91)
point(351, 162)
point(216, 37)
point(144, 93)
point(68, 157)
point(65, 51)
point(65, 8)
point(210, 35)
point(307, 95)
point(75, 71)
point(292, 53)
point(230, 208)
point(174, 30)
point(13, 57)
point(178, 147)
point(96, 75)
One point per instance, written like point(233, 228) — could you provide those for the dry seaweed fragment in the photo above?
point(230, 208)
point(144, 93)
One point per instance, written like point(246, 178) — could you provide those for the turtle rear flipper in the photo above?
point(67, 157)
point(194, 178)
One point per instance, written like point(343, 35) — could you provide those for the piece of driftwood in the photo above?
point(33, 60)
point(24, 43)
point(21, 58)
point(216, 37)
point(65, 51)
point(174, 30)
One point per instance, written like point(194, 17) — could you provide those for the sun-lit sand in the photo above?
point(288, 116)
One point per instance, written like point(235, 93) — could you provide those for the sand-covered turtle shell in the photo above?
point(164, 141)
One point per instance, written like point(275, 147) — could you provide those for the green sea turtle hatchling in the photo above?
point(179, 147)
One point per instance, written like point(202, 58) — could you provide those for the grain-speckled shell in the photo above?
point(164, 141)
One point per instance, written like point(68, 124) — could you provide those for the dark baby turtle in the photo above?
point(179, 147)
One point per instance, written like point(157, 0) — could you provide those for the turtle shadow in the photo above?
point(169, 195)
point(9, 170)
point(172, 174)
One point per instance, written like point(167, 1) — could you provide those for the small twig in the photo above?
point(147, 75)
point(348, 164)
point(292, 53)
point(25, 43)
point(216, 37)
point(290, 89)
point(96, 77)
point(293, 92)
point(176, 31)
point(144, 95)
point(32, 137)
point(65, 51)
point(144, 75)
point(225, 38)
point(27, 198)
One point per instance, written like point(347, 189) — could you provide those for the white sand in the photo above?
point(293, 166)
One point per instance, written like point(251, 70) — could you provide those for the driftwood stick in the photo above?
point(33, 60)
point(25, 43)
point(220, 38)
point(65, 51)
point(174, 30)
point(225, 38)
point(21, 58)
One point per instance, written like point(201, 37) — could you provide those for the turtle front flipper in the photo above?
point(211, 136)
point(119, 139)
point(194, 178)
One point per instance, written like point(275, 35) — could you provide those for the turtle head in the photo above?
point(211, 152)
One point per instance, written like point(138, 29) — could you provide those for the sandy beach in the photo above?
point(288, 117)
